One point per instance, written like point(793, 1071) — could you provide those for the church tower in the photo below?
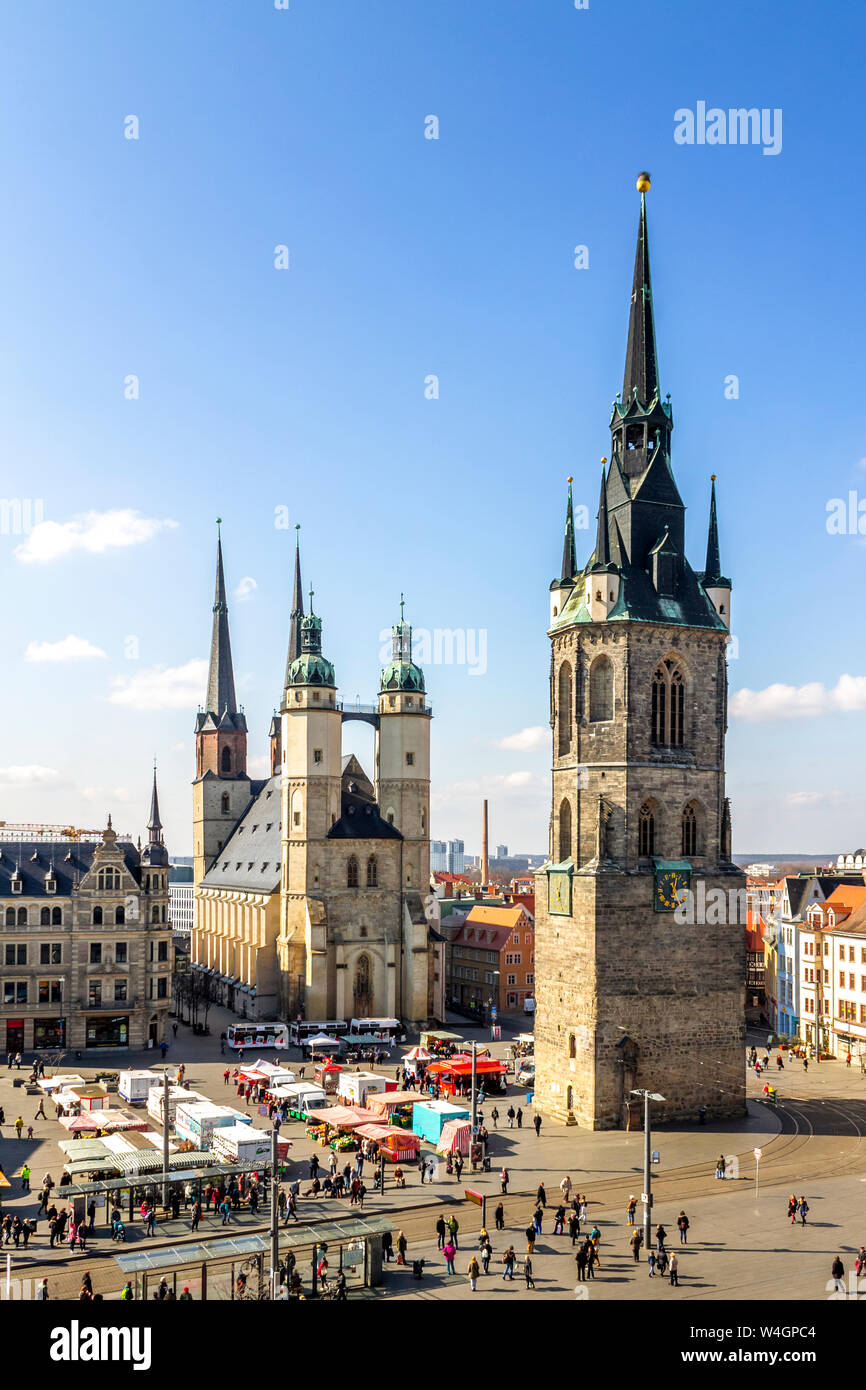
point(403, 756)
point(640, 912)
point(221, 790)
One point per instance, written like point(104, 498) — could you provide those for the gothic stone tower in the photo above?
point(628, 996)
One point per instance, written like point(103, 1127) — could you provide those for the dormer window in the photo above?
point(51, 885)
point(17, 884)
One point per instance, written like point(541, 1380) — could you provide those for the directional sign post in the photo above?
point(480, 1200)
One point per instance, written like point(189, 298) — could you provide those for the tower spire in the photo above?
point(297, 609)
point(154, 825)
point(602, 536)
point(641, 362)
point(220, 681)
point(713, 570)
point(569, 552)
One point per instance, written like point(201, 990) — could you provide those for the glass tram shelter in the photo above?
point(238, 1266)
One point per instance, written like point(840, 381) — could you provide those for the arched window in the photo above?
point(572, 1045)
point(226, 761)
point(352, 873)
point(45, 917)
point(22, 916)
point(56, 917)
point(97, 916)
point(119, 916)
point(563, 709)
point(668, 704)
point(372, 872)
point(362, 991)
point(226, 804)
point(10, 917)
point(690, 830)
point(564, 831)
point(646, 831)
point(154, 916)
point(601, 690)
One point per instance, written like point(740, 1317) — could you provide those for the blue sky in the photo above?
point(304, 388)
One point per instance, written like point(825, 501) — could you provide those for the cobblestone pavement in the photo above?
point(740, 1247)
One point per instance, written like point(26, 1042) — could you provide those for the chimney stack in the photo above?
point(485, 858)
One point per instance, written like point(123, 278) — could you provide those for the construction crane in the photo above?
point(40, 830)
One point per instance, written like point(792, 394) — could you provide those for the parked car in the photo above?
point(526, 1075)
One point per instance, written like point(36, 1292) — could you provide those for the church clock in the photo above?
point(671, 885)
point(559, 892)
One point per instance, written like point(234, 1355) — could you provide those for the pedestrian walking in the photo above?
point(486, 1252)
point(453, 1229)
point(636, 1242)
point(508, 1263)
point(803, 1209)
point(19, 1125)
point(40, 1113)
point(474, 1269)
point(837, 1271)
point(510, 1113)
point(440, 1232)
point(494, 1115)
point(651, 1261)
point(574, 1226)
point(519, 1118)
point(401, 1248)
point(674, 1271)
point(559, 1221)
point(527, 1273)
point(683, 1228)
point(504, 1180)
point(792, 1209)
point(537, 1123)
point(631, 1209)
point(720, 1166)
point(580, 1260)
point(530, 1234)
point(25, 1177)
point(499, 1217)
point(541, 1196)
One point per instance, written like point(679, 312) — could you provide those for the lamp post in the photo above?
point(757, 1153)
point(274, 1230)
point(646, 1196)
point(165, 1127)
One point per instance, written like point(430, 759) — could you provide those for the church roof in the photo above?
point(250, 858)
point(360, 817)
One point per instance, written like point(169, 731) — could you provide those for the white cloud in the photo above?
point(246, 587)
point(529, 740)
point(799, 701)
point(29, 775)
point(70, 648)
point(120, 794)
point(259, 766)
point(93, 532)
point(183, 747)
point(162, 687)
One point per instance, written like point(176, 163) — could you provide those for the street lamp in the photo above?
point(646, 1196)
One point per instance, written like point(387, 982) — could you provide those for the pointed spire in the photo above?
point(602, 537)
point(569, 551)
point(641, 362)
point(713, 569)
point(297, 609)
point(154, 825)
point(220, 681)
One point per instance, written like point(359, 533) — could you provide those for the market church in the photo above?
point(312, 886)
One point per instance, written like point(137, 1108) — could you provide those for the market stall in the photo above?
point(397, 1145)
point(430, 1116)
point(111, 1120)
point(454, 1138)
point(335, 1126)
point(321, 1044)
point(50, 1084)
point(327, 1075)
point(440, 1041)
point(354, 1087)
point(87, 1097)
point(395, 1107)
point(79, 1124)
point(455, 1075)
point(301, 1097)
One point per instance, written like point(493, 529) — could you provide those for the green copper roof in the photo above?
point(402, 675)
point(311, 668)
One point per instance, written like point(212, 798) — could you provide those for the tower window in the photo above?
point(352, 873)
point(563, 713)
point(646, 831)
point(372, 872)
point(690, 830)
point(226, 761)
point(564, 831)
point(225, 804)
point(317, 755)
point(296, 818)
point(668, 705)
point(410, 759)
point(601, 690)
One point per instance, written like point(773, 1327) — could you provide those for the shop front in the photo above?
point(107, 1032)
point(48, 1032)
point(14, 1035)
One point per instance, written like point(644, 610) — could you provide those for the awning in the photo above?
point(454, 1138)
point(78, 1124)
point(393, 1100)
point(344, 1116)
point(118, 1119)
point(417, 1054)
point(372, 1131)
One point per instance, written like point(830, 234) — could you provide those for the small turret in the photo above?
point(716, 587)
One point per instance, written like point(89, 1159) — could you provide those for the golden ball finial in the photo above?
point(604, 460)
point(643, 182)
point(712, 477)
point(569, 479)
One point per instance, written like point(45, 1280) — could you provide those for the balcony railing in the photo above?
point(107, 1005)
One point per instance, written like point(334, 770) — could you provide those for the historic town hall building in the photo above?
point(628, 997)
point(311, 885)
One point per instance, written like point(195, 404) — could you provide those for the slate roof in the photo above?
point(250, 858)
point(71, 862)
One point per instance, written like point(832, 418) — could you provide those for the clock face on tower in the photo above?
point(671, 886)
point(559, 892)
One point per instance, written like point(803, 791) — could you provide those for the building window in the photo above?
point(668, 705)
point(108, 880)
point(563, 711)
point(22, 916)
point(162, 950)
point(50, 953)
point(162, 989)
point(94, 993)
point(96, 953)
point(50, 992)
point(410, 759)
point(509, 979)
point(646, 831)
point(296, 818)
point(601, 690)
point(10, 917)
point(690, 831)
point(17, 885)
point(120, 991)
point(226, 761)
point(45, 917)
point(154, 912)
point(565, 831)
point(120, 952)
point(352, 873)
point(51, 885)
point(16, 955)
point(119, 917)
point(317, 755)
point(14, 991)
point(225, 804)
point(372, 872)
point(57, 916)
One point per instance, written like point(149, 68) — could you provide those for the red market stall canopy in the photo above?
point(454, 1138)
point(462, 1066)
point(79, 1124)
point(253, 1074)
point(377, 1132)
point(418, 1054)
point(386, 1101)
point(118, 1119)
point(344, 1116)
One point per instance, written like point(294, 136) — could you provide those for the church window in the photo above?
point(572, 1045)
point(690, 830)
point(363, 931)
point(372, 872)
point(352, 873)
point(410, 759)
point(601, 690)
point(598, 595)
point(317, 755)
point(225, 804)
point(97, 916)
point(119, 916)
point(296, 818)
point(362, 991)
point(668, 704)
point(564, 831)
point(646, 831)
point(226, 760)
point(563, 712)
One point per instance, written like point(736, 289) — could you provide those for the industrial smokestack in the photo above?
point(485, 859)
